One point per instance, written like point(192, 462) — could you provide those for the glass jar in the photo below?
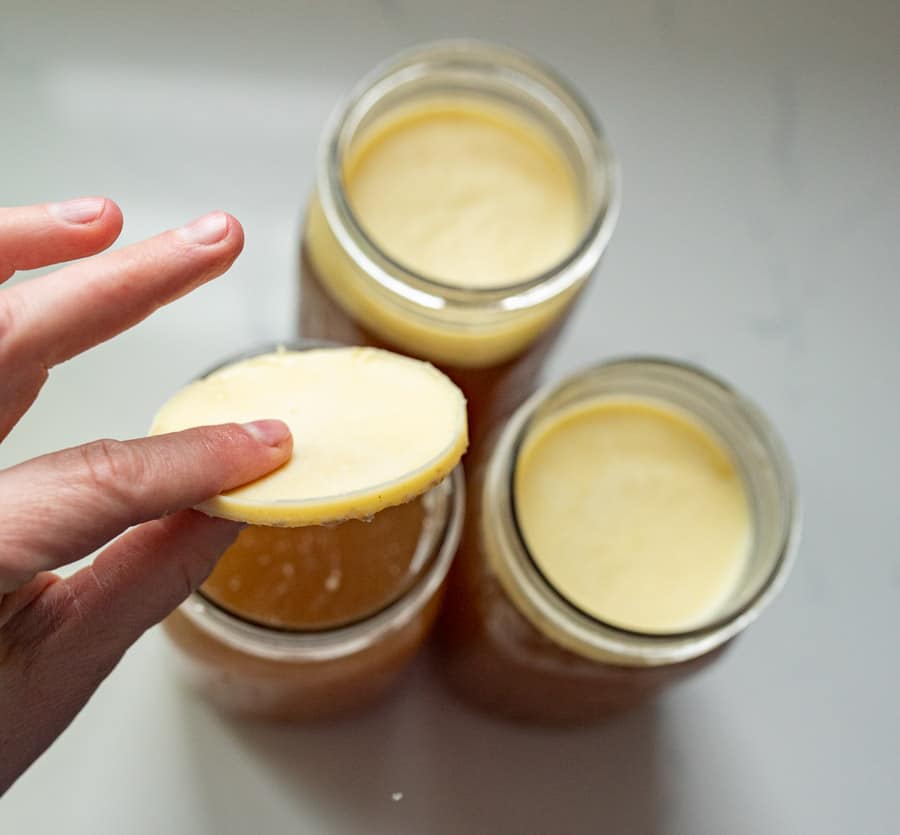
point(491, 340)
point(512, 644)
point(304, 623)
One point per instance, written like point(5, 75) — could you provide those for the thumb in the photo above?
point(56, 650)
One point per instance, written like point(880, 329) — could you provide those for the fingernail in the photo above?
point(81, 210)
point(209, 229)
point(269, 432)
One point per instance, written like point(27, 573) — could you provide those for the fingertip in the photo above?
point(91, 223)
point(112, 218)
point(272, 433)
point(193, 538)
point(217, 532)
point(215, 229)
point(235, 233)
point(107, 226)
point(80, 211)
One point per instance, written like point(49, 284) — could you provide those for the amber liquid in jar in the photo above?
point(307, 623)
point(320, 576)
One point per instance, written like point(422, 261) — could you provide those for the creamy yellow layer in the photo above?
point(469, 194)
point(371, 429)
point(634, 512)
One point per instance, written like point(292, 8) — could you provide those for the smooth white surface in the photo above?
point(759, 236)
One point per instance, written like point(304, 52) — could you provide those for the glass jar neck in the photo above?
point(763, 466)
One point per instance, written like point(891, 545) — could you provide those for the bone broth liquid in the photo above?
point(321, 576)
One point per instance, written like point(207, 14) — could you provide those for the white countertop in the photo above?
point(760, 236)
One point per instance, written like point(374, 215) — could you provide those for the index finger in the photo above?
point(60, 507)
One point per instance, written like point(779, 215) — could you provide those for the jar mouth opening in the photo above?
point(284, 643)
point(767, 451)
point(530, 78)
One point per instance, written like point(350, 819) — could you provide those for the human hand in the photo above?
point(59, 638)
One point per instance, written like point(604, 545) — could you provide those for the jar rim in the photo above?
point(434, 293)
point(583, 632)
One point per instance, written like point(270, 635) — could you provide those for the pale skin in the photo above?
point(59, 638)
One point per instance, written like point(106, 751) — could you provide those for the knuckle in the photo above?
point(7, 318)
point(40, 613)
point(110, 467)
point(16, 354)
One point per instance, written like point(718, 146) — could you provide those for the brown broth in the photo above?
point(320, 577)
point(250, 685)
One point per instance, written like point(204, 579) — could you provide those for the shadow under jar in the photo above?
point(519, 637)
point(464, 196)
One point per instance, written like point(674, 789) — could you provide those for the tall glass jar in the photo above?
point(302, 623)
point(512, 644)
point(492, 340)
